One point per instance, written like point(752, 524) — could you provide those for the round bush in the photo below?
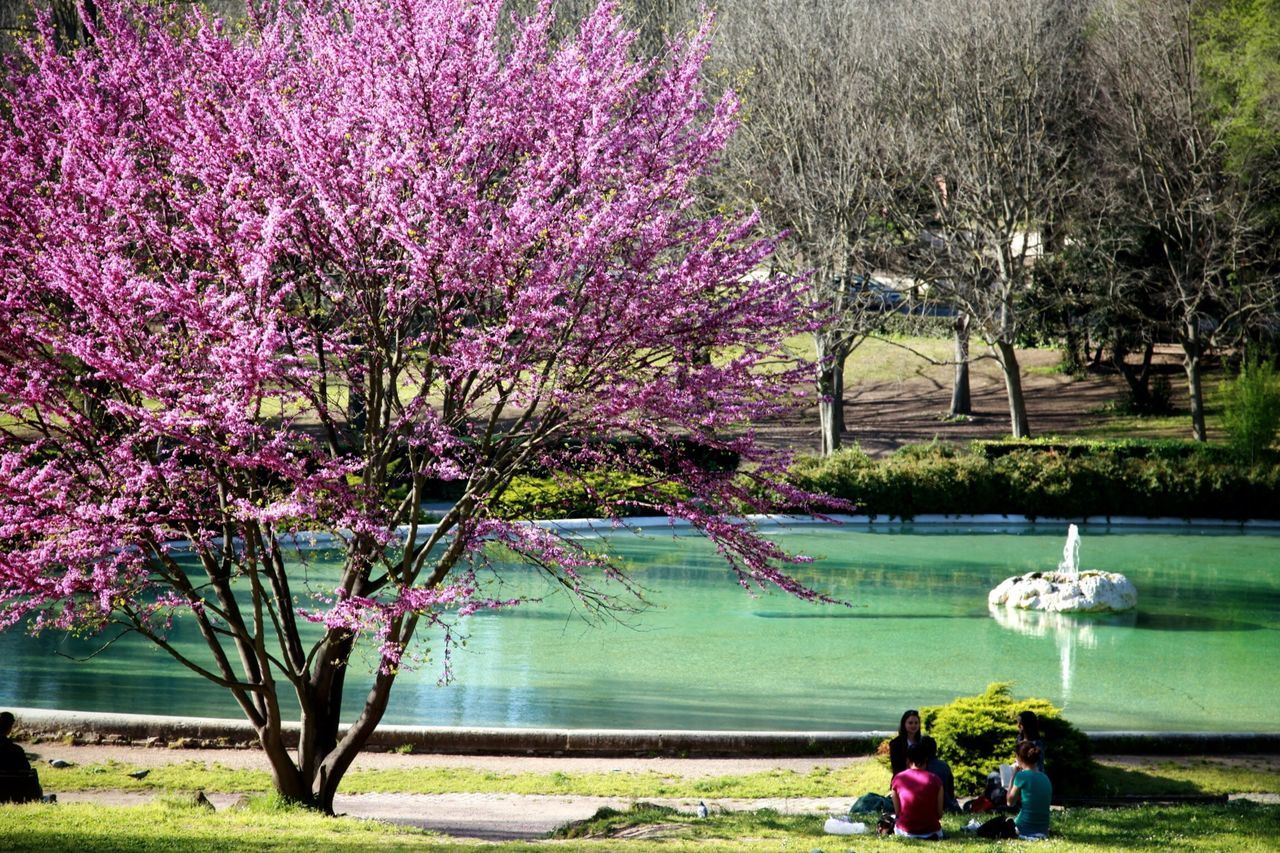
point(976, 734)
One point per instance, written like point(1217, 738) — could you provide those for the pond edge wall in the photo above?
point(38, 724)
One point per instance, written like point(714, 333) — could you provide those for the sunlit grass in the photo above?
point(175, 825)
point(1207, 776)
point(1236, 826)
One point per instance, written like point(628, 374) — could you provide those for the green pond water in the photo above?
point(1200, 653)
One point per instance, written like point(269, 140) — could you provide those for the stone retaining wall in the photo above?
point(89, 727)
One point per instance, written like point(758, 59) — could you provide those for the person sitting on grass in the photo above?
point(917, 796)
point(18, 782)
point(1030, 792)
point(908, 733)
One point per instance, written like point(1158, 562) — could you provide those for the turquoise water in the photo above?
point(1199, 653)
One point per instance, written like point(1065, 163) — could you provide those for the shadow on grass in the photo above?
point(1118, 780)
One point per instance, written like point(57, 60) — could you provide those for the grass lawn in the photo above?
point(173, 822)
point(1156, 776)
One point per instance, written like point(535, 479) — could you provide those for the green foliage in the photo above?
point(1251, 408)
point(976, 734)
point(171, 826)
point(1052, 478)
point(1239, 52)
point(583, 496)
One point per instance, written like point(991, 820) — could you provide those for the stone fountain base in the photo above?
point(1062, 592)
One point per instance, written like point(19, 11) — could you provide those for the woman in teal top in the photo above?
point(1031, 792)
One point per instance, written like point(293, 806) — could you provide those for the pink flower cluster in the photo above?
point(285, 281)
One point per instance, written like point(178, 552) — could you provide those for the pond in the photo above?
point(1198, 654)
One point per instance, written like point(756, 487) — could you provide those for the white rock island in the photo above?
point(1068, 589)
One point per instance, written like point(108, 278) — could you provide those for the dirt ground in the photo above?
point(882, 414)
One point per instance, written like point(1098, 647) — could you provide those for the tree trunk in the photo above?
point(961, 403)
point(1139, 380)
point(831, 357)
point(1013, 386)
point(1191, 353)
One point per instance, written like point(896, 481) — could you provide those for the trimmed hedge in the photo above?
point(1056, 478)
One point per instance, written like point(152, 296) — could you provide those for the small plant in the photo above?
point(1251, 407)
point(976, 734)
point(404, 749)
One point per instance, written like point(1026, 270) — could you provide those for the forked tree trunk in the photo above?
point(1138, 379)
point(1008, 359)
point(961, 402)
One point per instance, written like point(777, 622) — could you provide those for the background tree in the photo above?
point(215, 254)
point(809, 155)
point(1167, 163)
point(985, 134)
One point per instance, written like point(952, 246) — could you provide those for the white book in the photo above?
point(1006, 775)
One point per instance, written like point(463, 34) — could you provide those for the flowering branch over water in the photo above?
point(297, 280)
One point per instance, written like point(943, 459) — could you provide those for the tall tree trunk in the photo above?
point(1013, 387)
point(1191, 354)
point(831, 357)
point(961, 402)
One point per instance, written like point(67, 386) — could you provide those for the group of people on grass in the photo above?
point(923, 786)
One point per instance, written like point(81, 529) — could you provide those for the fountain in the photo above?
point(1068, 589)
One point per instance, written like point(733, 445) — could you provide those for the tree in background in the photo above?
point(985, 130)
point(810, 156)
point(1238, 46)
point(255, 288)
point(1165, 171)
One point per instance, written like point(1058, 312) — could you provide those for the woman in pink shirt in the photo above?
point(917, 797)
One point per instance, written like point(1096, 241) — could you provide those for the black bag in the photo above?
point(998, 827)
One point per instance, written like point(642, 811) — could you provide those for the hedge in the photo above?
point(1054, 479)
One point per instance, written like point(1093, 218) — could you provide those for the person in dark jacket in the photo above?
point(18, 782)
point(908, 733)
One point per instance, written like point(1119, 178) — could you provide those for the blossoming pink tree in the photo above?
point(257, 285)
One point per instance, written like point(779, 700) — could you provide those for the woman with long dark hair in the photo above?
point(1029, 732)
point(908, 733)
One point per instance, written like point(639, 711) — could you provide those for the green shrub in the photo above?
point(1251, 408)
point(976, 734)
point(1050, 478)
point(584, 496)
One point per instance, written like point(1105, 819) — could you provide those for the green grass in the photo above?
point(1188, 776)
point(176, 825)
point(1158, 776)
point(263, 825)
point(190, 776)
point(1236, 826)
point(172, 823)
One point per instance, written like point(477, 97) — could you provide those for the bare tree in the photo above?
point(983, 139)
point(1167, 176)
point(809, 155)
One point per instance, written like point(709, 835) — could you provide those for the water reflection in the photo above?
point(1189, 622)
point(1068, 631)
point(706, 655)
